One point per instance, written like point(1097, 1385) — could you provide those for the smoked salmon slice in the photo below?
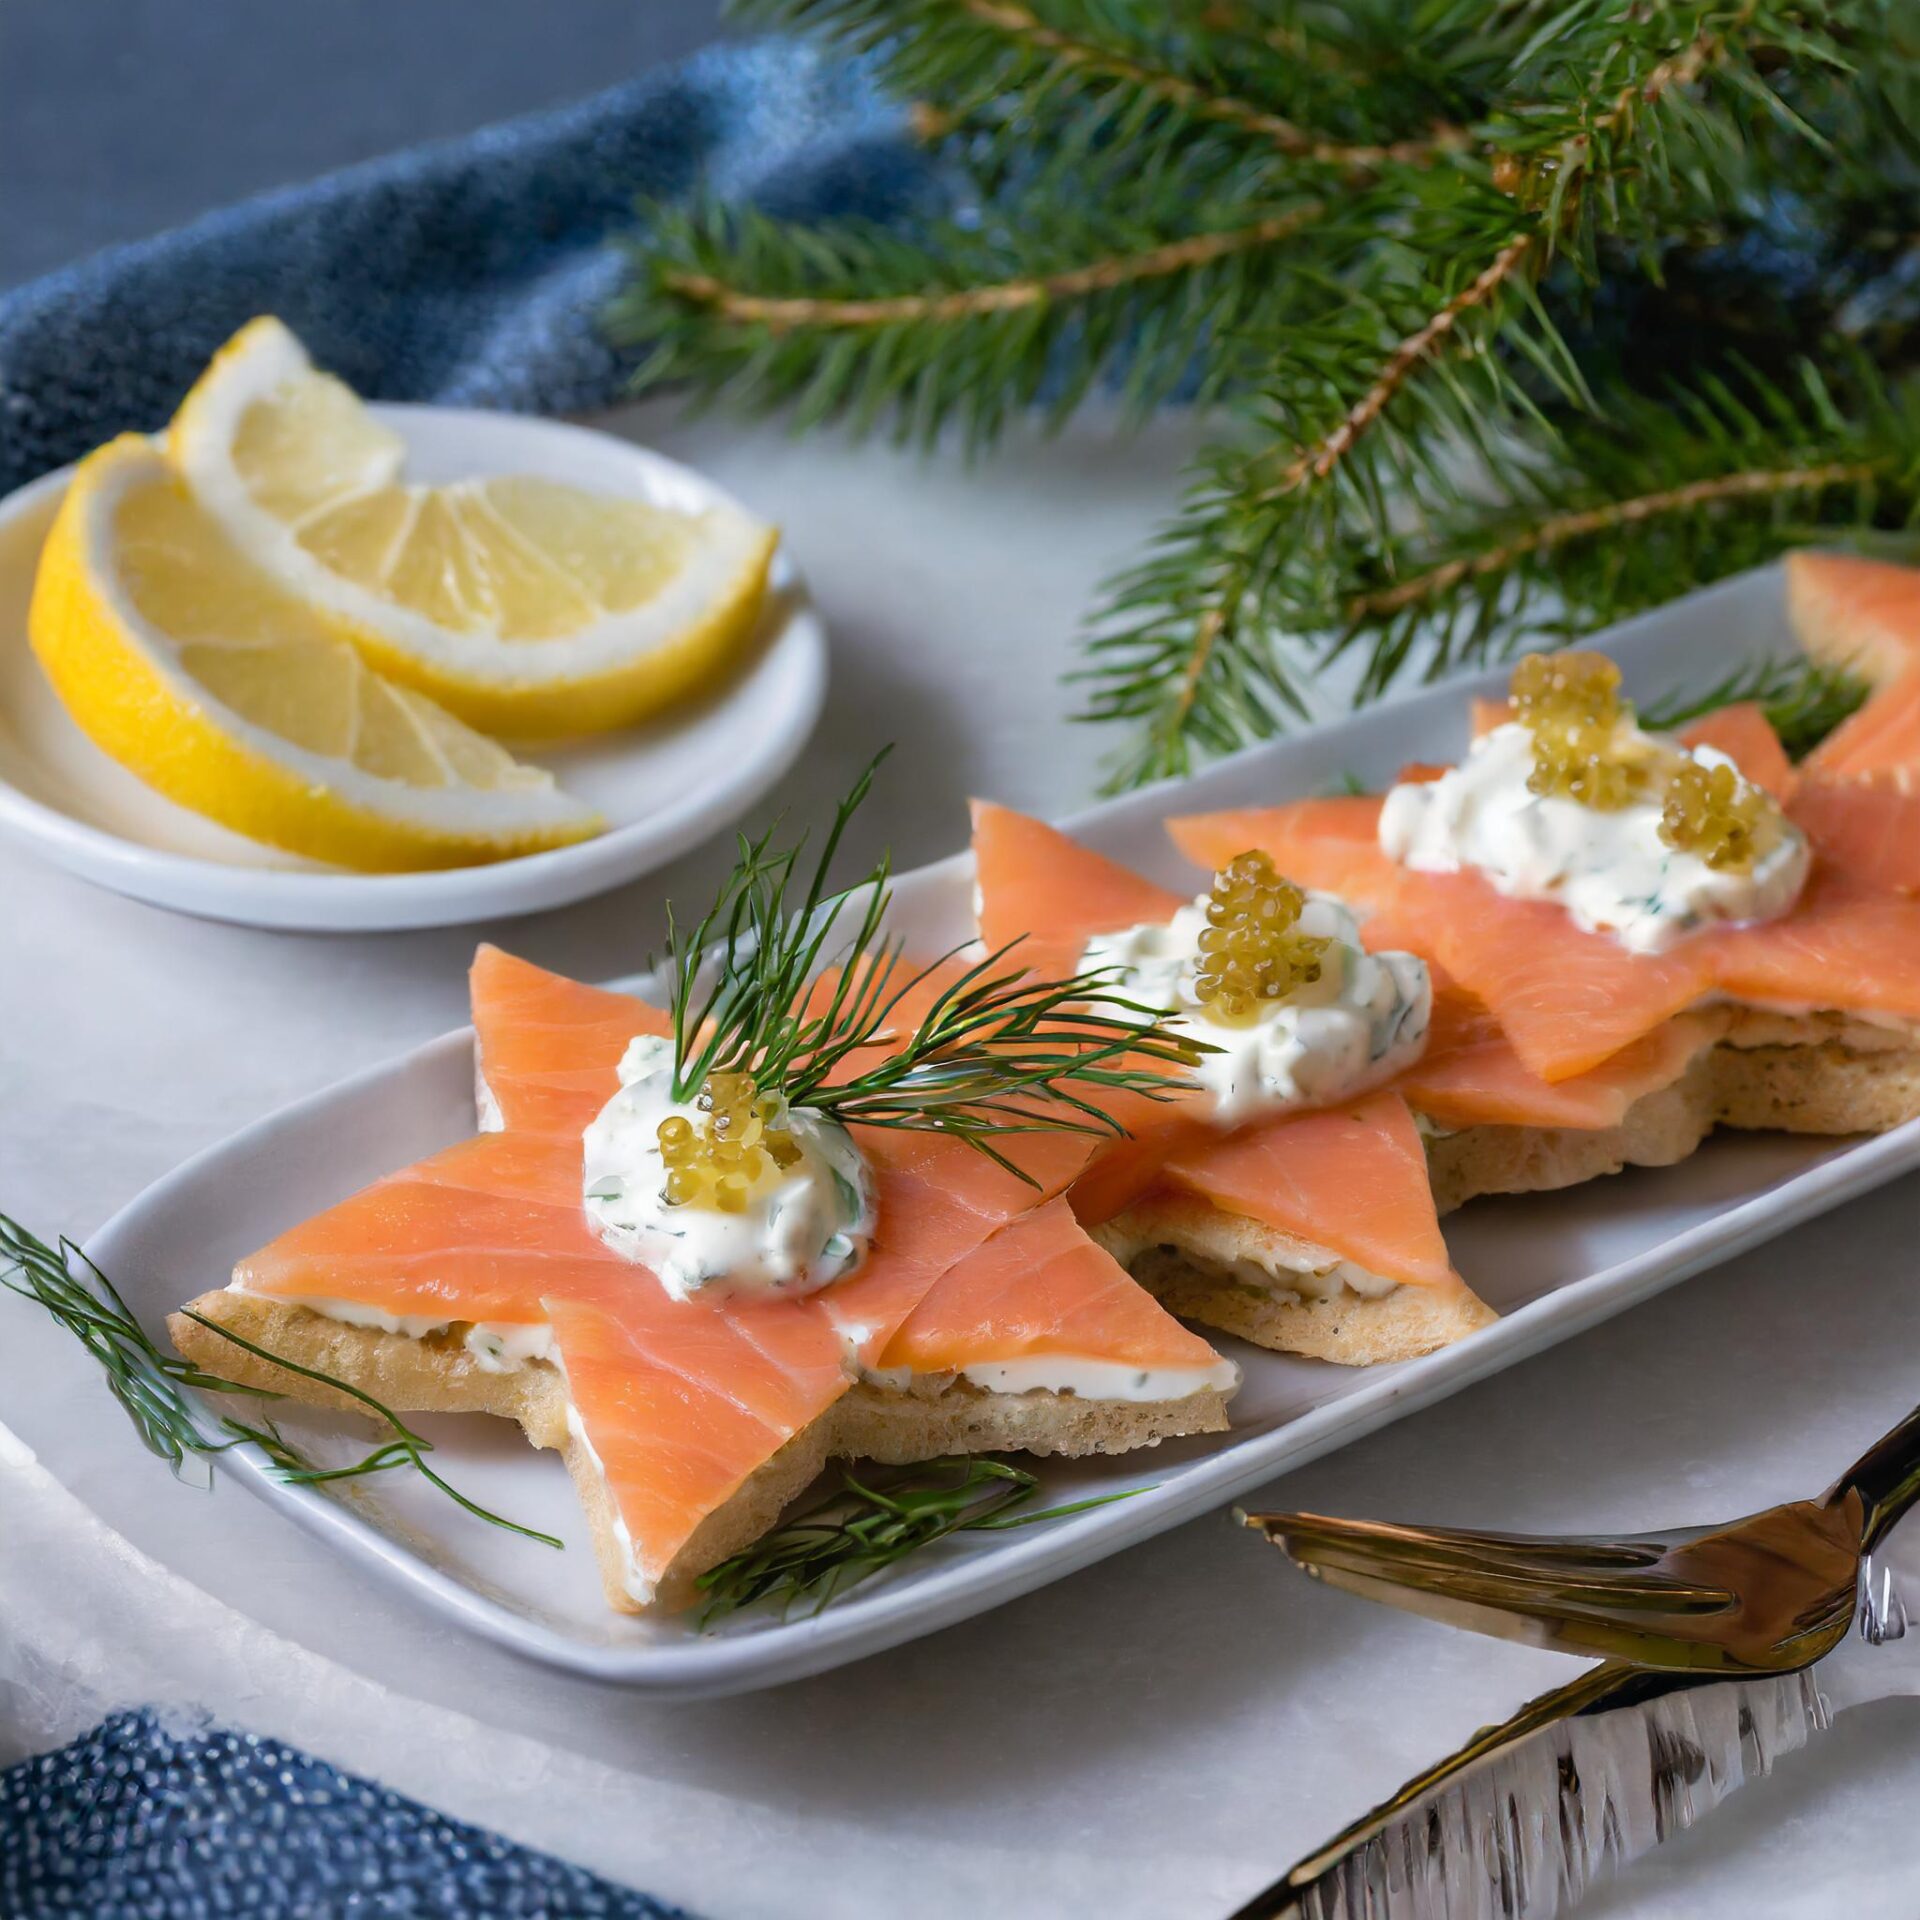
point(1332, 844)
point(549, 1047)
point(1351, 1178)
point(1040, 1288)
point(1570, 1000)
point(1745, 735)
point(1868, 826)
point(1051, 894)
point(1883, 736)
point(1850, 612)
point(1471, 1075)
point(1300, 1172)
point(681, 1402)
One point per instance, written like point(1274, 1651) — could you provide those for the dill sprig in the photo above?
point(152, 1385)
point(865, 1528)
point(1804, 700)
point(405, 1449)
point(996, 1051)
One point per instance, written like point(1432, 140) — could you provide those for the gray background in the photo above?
point(121, 117)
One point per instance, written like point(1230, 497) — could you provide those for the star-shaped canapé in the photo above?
point(1312, 1231)
point(1570, 1001)
point(981, 1317)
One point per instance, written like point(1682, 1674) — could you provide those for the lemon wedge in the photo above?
point(524, 606)
point(207, 679)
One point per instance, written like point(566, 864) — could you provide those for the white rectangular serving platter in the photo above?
point(1552, 1265)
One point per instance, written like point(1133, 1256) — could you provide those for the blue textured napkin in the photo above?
point(141, 1822)
point(472, 271)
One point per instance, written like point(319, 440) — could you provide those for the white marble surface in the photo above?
point(1154, 1737)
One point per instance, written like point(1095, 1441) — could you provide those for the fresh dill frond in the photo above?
point(1804, 700)
point(867, 1527)
point(405, 1449)
point(790, 982)
point(152, 1385)
point(147, 1382)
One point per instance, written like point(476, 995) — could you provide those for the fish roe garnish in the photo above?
point(1252, 951)
point(1571, 702)
point(1710, 812)
point(736, 1144)
point(1565, 686)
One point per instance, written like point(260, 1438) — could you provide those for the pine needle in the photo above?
point(1804, 700)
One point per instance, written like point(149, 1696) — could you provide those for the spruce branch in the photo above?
point(1657, 493)
point(1467, 279)
point(1433, 335)
point(1129, 65)
point(963, 325)
point(1088, 59)
point(1615, 516)
point(1470, 370)
point(1106, 275)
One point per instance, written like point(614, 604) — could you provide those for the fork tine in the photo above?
point(1574, 1606)
point(1594, 1555)
point(1542, 1591)
point(1606, 1637)
point(1667, 1640)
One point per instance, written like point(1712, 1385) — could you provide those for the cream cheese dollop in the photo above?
point(1361, 1022)
point(1609, 869)
point(803, 1227)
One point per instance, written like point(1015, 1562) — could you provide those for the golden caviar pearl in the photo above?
point(1252, 949)
point(1574, 686)
point(1572, 704)
point(1706, 813)
point(718, 1161)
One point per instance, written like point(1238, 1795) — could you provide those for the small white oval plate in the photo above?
point(663, 787)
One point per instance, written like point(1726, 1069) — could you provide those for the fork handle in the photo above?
point(1887, 1479)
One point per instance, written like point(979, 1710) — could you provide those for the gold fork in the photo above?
point(1710, 1638)
point(1767, 1594)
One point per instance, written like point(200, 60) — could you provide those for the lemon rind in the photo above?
point(119, 682)
point(623, 668)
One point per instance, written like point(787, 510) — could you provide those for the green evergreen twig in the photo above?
point(1439, 263)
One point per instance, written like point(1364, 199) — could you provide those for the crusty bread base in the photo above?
point(1197, 1261)
point(1823, 1073)
point(894, 1426)
point(1793, 1073)
point(1659, 1129)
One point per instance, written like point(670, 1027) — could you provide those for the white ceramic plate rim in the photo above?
point(884, 1615)
point(350, 902)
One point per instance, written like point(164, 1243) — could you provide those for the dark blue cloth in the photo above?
point(473, 272)
point(139, 1822)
